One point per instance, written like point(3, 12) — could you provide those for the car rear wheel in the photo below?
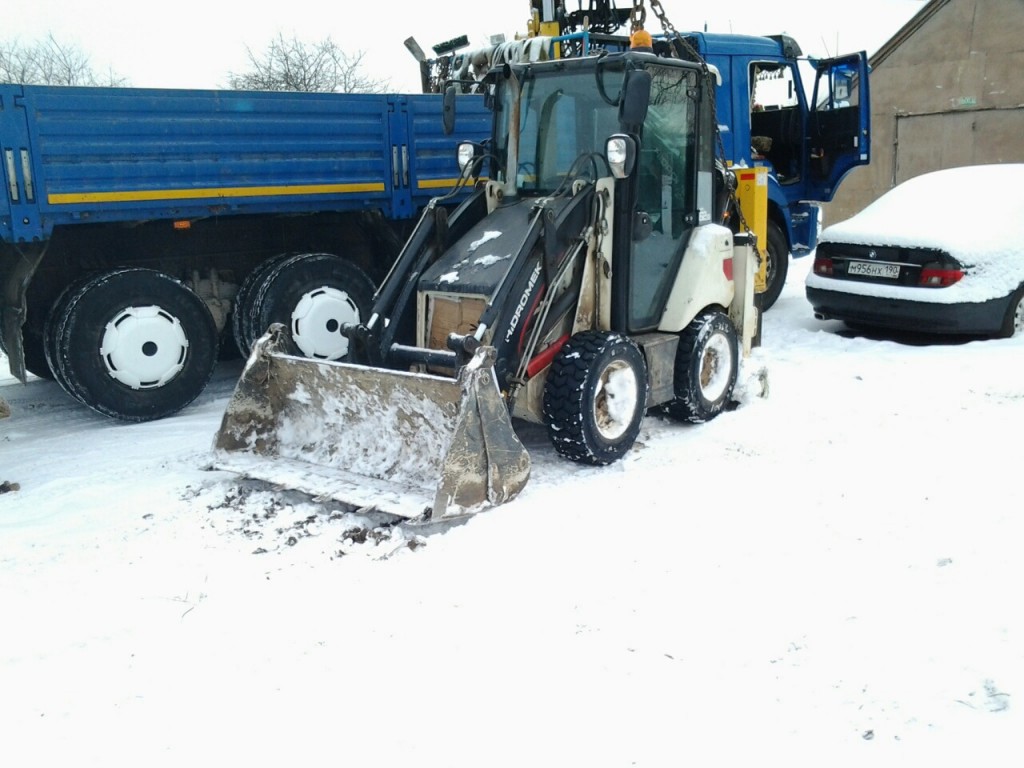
point(1013, 325)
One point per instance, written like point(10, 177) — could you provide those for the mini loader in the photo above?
point(586, 280)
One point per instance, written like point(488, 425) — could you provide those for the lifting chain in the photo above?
point(637, 15)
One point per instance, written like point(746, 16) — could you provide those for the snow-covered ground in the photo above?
point(821, 577)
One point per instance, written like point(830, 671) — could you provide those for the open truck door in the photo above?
point(839, 138)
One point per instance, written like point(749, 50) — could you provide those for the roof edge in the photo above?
point(916, 22)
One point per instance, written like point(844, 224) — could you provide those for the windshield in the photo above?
point(563, 125)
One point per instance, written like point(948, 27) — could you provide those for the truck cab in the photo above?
point(807, 120)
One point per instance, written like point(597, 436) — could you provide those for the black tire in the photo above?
point(777, 255)
point(134, 344)
point(1013, 325)
point(706, 367)
point(313, 294)
point(55, 321)
point(241, 311)
point(586, 423)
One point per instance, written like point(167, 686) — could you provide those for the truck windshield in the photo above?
point(563, 124)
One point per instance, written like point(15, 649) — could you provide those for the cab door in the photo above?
point(839, 123)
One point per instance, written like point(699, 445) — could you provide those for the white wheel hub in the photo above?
point(715, 367)
point(144, 347)
point(317, 321)
point(1018, 318)
point(616, 400)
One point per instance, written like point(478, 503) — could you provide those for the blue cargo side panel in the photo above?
point(435, 168)
point(102, 154)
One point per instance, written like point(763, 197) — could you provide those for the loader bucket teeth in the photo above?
point(414, 445)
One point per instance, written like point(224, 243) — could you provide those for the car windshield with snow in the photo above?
point(942, 252)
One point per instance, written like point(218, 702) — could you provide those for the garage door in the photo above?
point(951, 139)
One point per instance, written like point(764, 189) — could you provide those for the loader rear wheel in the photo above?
point(134, 344)
point(595, 397)
point(706, 367)
point(314, 294)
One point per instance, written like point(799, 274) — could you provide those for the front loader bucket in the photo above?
point(413, 445)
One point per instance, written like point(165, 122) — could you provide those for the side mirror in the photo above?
point(620, 152)
point(448, 110)
point(636, 96)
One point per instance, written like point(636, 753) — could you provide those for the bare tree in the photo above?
point(51, 62)
point(292, 65)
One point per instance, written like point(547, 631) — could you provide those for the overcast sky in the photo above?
point(195, 44)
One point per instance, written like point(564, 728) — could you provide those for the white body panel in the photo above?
point(702, 280)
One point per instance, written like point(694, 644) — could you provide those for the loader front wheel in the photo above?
point(595, 397)
point(706, 367)
point(314, 295)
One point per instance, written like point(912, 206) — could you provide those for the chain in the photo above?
point(638, 15)
point(670, 30)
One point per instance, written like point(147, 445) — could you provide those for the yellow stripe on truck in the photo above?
point(441, 183)
point(141, 195)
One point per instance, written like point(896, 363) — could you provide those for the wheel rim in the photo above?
point(144, 347)
point(615, 400)
point(317, 322)
point(715, 367)
point(1018, 318)
point(769, 267)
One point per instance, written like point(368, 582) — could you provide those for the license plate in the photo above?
point(868, 269)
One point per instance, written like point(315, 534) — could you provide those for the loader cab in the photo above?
point(553, 124)
point(669, 195)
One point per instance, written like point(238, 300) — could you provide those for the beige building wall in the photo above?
point(947, 90)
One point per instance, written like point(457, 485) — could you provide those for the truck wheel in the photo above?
point(595, 397)
point(242, 309)
point(707, 363)
point(314, 294)
point(777, 254)
point(134, 344)
point(52, 330)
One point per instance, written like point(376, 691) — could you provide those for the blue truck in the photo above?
point(806, 120)
point(146, 233)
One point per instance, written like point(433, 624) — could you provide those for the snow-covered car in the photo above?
point(942, 252)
